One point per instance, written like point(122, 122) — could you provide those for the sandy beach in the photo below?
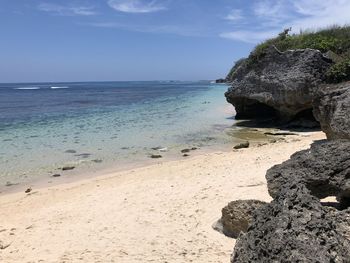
point(159, 213)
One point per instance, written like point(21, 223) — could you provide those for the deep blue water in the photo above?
point(37, 101)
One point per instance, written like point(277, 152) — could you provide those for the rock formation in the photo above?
point(295, 227)
point(280, 84)
point(332, 110)
point(237, 216)
point(324, 170)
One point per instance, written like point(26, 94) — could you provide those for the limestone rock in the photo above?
point(324, 169)
point(332, 110)
point(237, 216)
point(279, 84)
point(295, 227)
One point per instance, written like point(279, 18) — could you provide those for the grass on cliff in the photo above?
point(335, 39)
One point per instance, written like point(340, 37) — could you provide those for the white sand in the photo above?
point(160, 213)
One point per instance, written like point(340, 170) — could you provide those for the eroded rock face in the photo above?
point(237, 216)
point(295, 227)
point(324, 169)
point(332, 110)
point(280, 84)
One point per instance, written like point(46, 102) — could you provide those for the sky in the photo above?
point(111, 40)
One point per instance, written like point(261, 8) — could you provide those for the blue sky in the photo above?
point(81, 40)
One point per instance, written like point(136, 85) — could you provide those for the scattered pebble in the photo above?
point(56, 175)
point(157, 148)
point(156, 156)
point(185, 155)
point(28, 190)
point(67, 168)
point(185, 151)
point(242, 145)
point(70, 151)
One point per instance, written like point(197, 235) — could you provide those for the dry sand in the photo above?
point(159, 213)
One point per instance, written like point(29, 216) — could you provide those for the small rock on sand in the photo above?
point(237, 216)
point(157, 148)
point(242, 145)
point(67, 168)
point(156, 156)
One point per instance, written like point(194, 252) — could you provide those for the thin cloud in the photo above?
point(272, 16)
point(136, 6)
point(67, 10)
point(235, 15)
point(156, 29)
point(248, 36)
point(269, 9)
point(318, 14)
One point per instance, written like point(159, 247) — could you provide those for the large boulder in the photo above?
point(237, 216)
point(295, 227)
point(324, 169)
point(332, 110)
point(279, 84)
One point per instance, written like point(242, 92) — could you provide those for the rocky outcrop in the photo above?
point(324, 169)
point(332, 110)
point(295, 227)
point(220, 81)
point(279, 84)
point(237, 216)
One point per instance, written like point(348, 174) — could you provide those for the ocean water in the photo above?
point(98, 125)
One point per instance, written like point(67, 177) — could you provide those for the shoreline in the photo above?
point(162, 212)
point(90, 173)
point(82, 173)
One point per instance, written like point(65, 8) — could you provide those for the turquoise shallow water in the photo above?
point(93, 126)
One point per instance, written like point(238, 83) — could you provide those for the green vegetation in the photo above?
point(339, 71)
point(335, 39)
point(233, 69)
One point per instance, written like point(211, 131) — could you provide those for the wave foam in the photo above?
point(64, 87)
point(27, 88)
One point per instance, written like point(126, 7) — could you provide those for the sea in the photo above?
point(96, 126)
